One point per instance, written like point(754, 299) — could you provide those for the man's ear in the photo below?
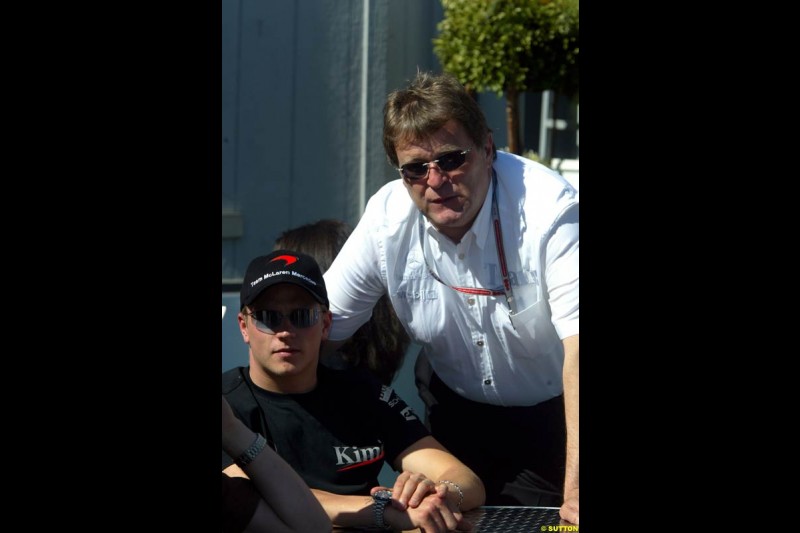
point(489, 147)
point(242, 319)
point(327, 322)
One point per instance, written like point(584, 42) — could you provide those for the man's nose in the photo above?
point(436, 176)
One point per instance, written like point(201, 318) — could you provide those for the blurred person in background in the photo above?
point(380, 344)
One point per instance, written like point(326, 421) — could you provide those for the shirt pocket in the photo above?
point(533, 320)
point(535, 331)
point(525, 322)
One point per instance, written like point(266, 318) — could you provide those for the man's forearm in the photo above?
point(469, 485)
point(571, 408)
point(347, 511)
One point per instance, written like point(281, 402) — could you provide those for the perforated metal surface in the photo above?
point(512, 519)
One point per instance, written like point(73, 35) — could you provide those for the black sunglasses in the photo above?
point(446, 162)
point(269, 321)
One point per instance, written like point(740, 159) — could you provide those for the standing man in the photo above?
point(478, 252)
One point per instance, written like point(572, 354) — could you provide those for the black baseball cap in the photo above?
point(282, 266)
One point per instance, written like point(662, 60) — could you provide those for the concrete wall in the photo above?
point(301, 136)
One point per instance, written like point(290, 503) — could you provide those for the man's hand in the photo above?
point(410, 489)
point(569, 509)
point(417, 502)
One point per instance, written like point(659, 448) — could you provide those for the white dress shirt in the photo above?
point(469, 339)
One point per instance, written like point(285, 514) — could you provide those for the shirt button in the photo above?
point(487, 381)
point(461, 256)
point(471, 301)
point(479, 343)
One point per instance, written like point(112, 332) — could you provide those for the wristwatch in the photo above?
point(381, 499)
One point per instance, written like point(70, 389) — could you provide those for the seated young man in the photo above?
point(336, 427)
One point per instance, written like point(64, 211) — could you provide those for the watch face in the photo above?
point(383, 495)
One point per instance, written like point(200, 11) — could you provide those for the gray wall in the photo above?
point(292, 136)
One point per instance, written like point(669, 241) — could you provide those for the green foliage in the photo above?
point(529, 154)
point(496, 45)
point(533, 156)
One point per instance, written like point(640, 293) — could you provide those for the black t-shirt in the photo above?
point(337, 436)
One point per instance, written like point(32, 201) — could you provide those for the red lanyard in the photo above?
point(501, 255)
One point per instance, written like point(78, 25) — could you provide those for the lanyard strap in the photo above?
point(501, 255)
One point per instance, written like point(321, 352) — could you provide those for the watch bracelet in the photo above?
point(252, 452)
point(378, 510)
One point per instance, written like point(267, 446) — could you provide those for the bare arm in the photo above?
point(347, 511)
point(359, 512)
point(342, 510)
point(288, 505)
point(569, 510)
point(428, 457)
point(418, 500)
